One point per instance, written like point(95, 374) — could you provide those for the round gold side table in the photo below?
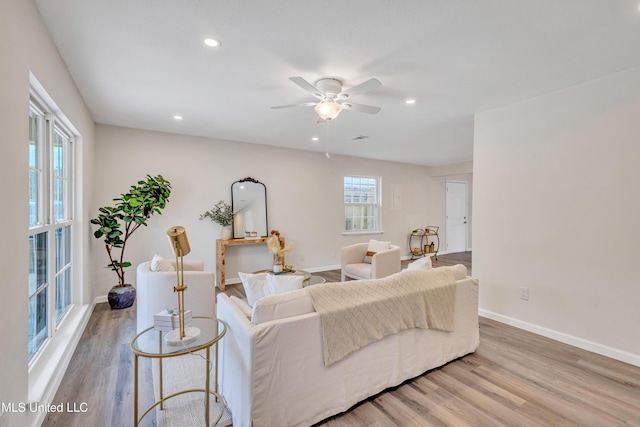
point(151, 344)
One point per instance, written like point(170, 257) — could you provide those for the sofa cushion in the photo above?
point(160, 264)
point(374, 247)
point(280, 306)
point(361, 269)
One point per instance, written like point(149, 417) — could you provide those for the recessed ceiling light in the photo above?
point(410, 101)
point(177, 117)
point(315, 138)
point(212, 42)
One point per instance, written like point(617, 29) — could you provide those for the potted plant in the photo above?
point(117, 223)
point(222, 214)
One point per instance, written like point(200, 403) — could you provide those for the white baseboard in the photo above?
point(102, 298)
point(614, 353)
point(325, 268)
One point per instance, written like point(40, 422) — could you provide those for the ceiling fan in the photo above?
point(332, 99)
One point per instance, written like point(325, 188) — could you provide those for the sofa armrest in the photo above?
point(385, 263)
point(236, 353)
point(353, 254)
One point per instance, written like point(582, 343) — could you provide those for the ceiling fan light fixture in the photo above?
point(328, 110)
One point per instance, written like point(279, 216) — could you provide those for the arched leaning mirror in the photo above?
point(249, 204)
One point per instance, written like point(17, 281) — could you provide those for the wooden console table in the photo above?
point(220, 249)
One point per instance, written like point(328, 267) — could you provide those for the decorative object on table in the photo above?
point(132, 209)
point(274, 245)
point(169, 319)
point(222, 214)
point(180, 246)
point(250, 234)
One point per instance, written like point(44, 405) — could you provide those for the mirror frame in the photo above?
point(266, 217)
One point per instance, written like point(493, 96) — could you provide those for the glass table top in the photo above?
point(151, 343)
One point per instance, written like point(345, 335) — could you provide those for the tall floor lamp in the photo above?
point(180, 246)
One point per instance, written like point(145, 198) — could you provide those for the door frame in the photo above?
point(466, 212)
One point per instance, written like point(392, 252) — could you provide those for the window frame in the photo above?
point(47, 225)
point(377, 206)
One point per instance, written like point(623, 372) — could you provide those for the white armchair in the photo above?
point(155, 291)
point(383, 263)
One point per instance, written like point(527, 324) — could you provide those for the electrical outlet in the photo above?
point(524, 293)
point(301, 258)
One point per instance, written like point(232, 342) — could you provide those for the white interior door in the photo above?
point(456, 216)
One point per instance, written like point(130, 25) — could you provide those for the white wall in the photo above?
point(26, 46)
point(304, 195)
point(556, 203)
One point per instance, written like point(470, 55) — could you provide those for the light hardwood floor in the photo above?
point(515, 378)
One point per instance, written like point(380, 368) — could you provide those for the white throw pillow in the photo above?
point(258, 285)
point(160, 264)
point(254, 285)
point(374, 247)
point(420, 264)
point(277, 284)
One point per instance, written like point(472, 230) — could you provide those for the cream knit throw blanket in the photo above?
point(356, 313)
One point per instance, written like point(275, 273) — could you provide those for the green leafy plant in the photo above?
point(131, 211)
point(221, 214)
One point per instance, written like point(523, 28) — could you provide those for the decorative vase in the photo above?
point(225, 234)
point(122, 296)
point(277, 263)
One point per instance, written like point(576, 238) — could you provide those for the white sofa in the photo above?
point(155, 291)
point(383, 263)
point(272, 373)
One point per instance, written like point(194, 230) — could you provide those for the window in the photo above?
point(361, 204)
point(50, 224)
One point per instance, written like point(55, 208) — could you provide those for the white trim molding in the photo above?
point(614, 353)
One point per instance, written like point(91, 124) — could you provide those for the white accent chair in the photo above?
point(155, 291)
point(383, 263)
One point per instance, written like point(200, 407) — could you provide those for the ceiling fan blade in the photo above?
point(307, 86)
point(362, 87)
point(360, 108)
point(306, 104)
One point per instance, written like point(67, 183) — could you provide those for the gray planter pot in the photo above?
point(122, 296)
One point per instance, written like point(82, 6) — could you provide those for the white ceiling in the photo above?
point(138, 63)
